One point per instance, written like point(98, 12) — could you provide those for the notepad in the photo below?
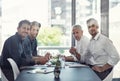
point(73, 65)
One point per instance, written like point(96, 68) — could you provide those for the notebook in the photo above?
point(73, 65)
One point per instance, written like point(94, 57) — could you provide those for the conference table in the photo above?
point(81, 73)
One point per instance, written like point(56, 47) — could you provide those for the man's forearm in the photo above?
point(69, 58)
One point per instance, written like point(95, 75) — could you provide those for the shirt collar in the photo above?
point(19, 37)
point(31, 40)
point(80, 39)
point(96, 37)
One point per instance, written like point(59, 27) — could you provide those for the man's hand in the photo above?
point(48, 56)
point(98, 68)
point(72, 50)
point(75, 53)
point(43, 60)
point(101, 68)
point(40, 60)
point(69, 58)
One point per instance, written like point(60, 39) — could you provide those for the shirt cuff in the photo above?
point(75, 59)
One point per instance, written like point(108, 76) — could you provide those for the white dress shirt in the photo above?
point(101, 51)
point(81, 46)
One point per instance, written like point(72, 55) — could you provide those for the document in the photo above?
point(74, 64)
point(41, 70)
point(32, 67)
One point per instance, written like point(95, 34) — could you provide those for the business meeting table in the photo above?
point(75, 73)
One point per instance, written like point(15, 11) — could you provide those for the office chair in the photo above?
point(14, 67)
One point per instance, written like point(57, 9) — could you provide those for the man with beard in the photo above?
point(101, 54)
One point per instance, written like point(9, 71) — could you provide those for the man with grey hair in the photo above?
point(80, 47)
point(101, 54)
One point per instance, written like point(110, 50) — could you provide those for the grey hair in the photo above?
point(77, 26)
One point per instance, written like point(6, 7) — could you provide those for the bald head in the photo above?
point(91, 22)
point(92, 26)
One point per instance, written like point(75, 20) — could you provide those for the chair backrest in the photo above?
point(14, 67)
point(109, 77)
point(3, 77)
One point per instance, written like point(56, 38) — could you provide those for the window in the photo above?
point(0, 27)
point(86, 9)
point(54, 16)
point(114, 29)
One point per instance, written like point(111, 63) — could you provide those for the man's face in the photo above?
point(23, 30)
point(93, 29)
point(34, 31)
point(77, 33)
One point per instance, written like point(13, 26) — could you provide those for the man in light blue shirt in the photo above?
point(101, 54)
